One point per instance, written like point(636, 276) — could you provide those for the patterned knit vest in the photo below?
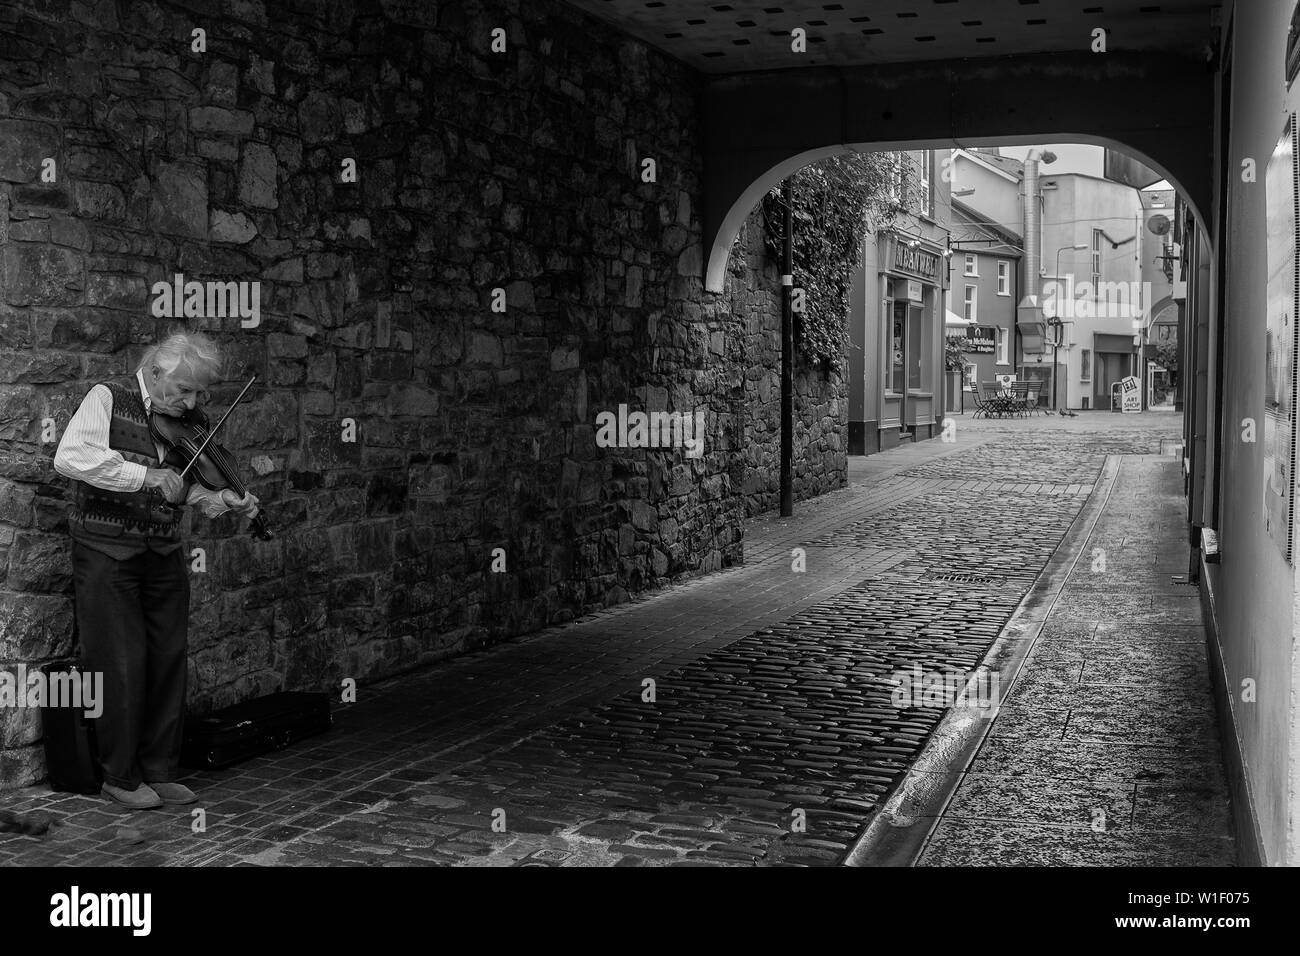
point(123, 524)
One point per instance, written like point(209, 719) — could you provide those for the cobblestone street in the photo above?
point(747, 717)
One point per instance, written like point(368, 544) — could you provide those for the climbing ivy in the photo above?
point(836, 203)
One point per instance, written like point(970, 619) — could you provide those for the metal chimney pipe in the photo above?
point(1032, 223)
point(1033, 219)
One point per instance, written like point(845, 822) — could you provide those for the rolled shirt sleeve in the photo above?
point(83, 452)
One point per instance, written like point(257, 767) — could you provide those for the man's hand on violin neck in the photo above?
point(246, 505)
point(167, 481)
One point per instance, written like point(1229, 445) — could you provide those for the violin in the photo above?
point(190, 448)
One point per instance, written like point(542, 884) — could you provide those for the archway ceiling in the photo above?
point(744, 35)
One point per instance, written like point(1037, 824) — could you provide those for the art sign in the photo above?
point(1130, 392)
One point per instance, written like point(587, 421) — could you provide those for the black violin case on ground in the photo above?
point(254, 727)
point(71, 758)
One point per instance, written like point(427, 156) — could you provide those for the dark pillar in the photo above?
point(787, 354)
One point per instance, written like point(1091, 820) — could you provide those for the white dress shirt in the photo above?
point(84, 454)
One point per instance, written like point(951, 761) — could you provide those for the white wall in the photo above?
point(1078, 205)
point(1256, 585)
point(995, 196)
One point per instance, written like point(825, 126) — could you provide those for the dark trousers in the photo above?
point(133, 618)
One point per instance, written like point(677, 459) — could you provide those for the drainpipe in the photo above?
point(1016, 344)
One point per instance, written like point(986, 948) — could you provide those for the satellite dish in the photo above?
point(1159, 224)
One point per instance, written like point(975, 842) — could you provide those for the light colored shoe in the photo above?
point(175, 793)
point(143, 797)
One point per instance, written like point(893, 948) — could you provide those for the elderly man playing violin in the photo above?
point(129, 571)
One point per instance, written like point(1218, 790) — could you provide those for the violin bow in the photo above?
point(212, 433)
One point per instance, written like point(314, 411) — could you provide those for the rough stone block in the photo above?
point(223, 83)
point(99, 201)
point(42, 275)
point(113, 291)
point(17, 415)
point(231, 227)
point(36, 367)
point(21, 766)
point(319, 117)
point(258, 183)
point(325, 445)
point(484, 348)
point(217, 119)
point(24, 145)
point(280, 346)
point(20, 726)
point(270, 421)
point(430, 481)
point(411, 400)
point(178, 200)
point(39, 562)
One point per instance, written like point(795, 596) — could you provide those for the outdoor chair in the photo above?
point(1020, 398)
point(1031, 396)
point(996, 401)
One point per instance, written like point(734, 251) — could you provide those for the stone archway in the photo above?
point(759, 127)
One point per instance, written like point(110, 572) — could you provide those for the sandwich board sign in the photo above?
point(1130, 390)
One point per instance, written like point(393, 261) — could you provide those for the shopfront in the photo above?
point(911, 285)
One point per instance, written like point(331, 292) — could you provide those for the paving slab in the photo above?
point(1111, 714)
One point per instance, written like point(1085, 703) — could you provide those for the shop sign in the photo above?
point(979, 340)
point(917, 262)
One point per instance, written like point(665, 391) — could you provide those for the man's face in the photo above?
point(174, 393)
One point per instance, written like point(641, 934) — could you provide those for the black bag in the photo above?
point(254, 727)
point(71, 758)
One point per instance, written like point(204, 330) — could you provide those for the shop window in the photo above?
point(1085, 371)
point(896, 360)
point(1004, 277)
point(1003, 340)
point(915, 335)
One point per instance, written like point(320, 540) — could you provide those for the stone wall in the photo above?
point(820, 393)
point(474, 428)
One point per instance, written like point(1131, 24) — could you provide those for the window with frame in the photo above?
point(1085, 369)
point(1004, 277)
point(1096, 258)
point(971, 267)
point(970, 303)
point(896, 179)
point(1003, 339)
point(927, 186)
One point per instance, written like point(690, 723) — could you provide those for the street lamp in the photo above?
point(1077, 245)
point(1056, 320)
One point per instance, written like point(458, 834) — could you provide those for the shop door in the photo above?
point(905, 372)
point(1108, 368)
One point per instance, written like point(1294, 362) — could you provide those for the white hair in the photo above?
point(189, 351)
